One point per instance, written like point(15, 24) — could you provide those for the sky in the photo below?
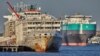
point(57, 8)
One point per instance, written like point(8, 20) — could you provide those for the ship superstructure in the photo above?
point(29, 23)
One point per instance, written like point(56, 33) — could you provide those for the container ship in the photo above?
point(27, 26)
point(78, 30)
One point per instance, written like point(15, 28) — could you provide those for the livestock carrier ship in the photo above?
point(78, 29)
point(28, 26)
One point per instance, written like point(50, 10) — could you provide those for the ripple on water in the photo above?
point(64, 51)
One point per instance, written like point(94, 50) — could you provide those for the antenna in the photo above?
point(39, 8)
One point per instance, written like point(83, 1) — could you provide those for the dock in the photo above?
point(9, 48)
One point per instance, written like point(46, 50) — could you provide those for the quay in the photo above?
point(9, 48)
point(15, 49)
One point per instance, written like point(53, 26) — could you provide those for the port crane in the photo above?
point(12, 9)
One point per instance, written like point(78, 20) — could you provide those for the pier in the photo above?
point(8, 48)
point(15, 49)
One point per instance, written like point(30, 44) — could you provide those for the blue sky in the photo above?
point(58, 8)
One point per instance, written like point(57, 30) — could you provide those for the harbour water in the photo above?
point(90, 50)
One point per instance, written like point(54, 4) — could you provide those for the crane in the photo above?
point(12, 9)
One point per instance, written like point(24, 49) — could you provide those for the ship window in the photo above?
point(29, 22)
point(33, 22)
point(48, 22)
point(29, 27)
point(40, 28)
point(35, 27)
point(36, 22)
point(55, 27)
point(52, 22)
point(48, 27)
point(36, 14)
point(32, 13)
point(45, 34)
point(57, 22)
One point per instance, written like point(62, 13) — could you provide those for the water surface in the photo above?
point(90, 50)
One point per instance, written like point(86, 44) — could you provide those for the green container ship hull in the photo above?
point(78, 34)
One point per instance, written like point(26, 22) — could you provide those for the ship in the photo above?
point(78, 30)
point(49, 42)
point(31, 28)
point(94, 40)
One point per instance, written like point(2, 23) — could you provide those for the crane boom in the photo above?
point(12, 9)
